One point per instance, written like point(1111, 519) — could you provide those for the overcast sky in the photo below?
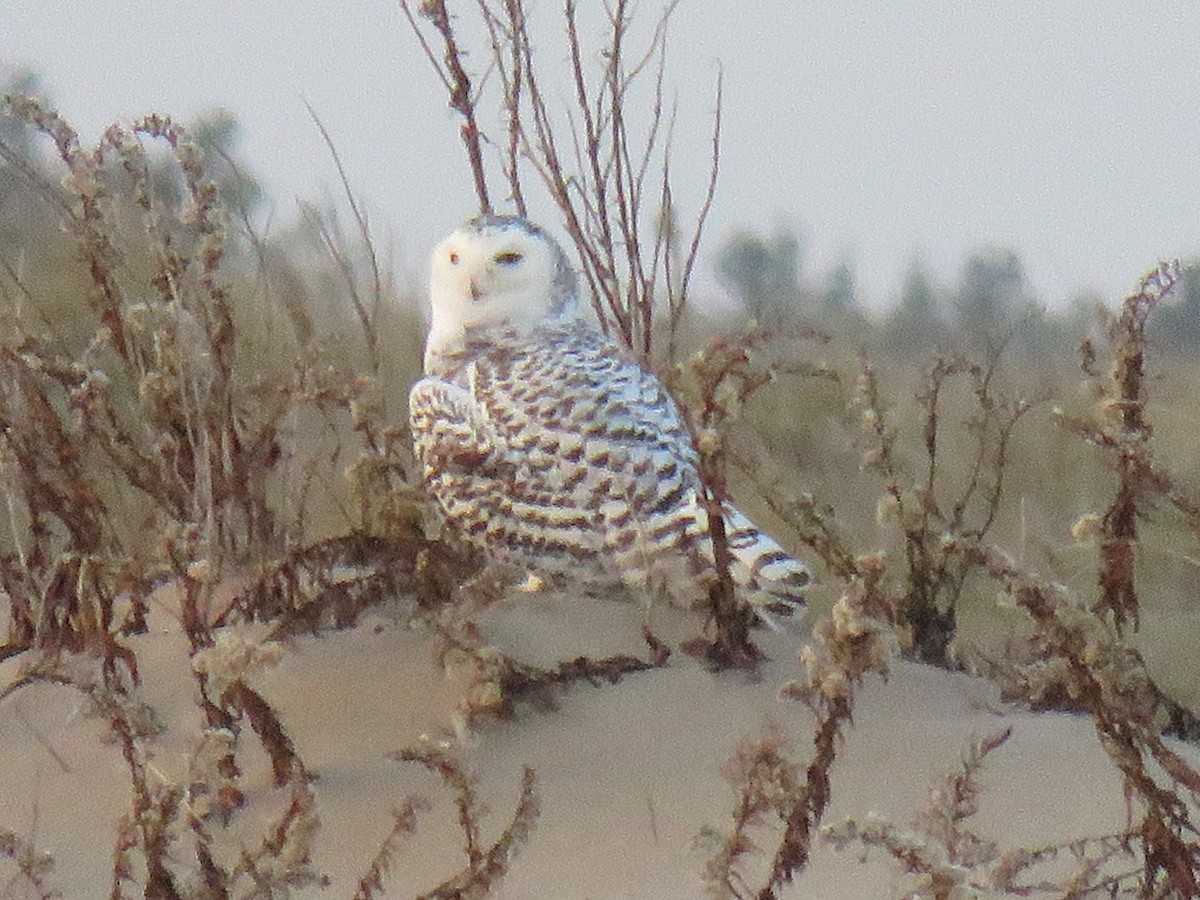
point(879, 130)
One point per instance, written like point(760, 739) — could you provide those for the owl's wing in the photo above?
point(498, 475)
point(602, 435)
point(605, 468)
point(579, 415)
point(572, 457)
point(450, 431)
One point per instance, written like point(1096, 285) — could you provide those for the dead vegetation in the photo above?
point(1076, 657)
point(485, 865)
point(928, 505)
point(155, 414)
point(144, 418)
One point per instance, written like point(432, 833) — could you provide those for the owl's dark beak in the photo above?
point(476, 296)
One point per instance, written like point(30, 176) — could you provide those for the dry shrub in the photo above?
point(931, 502)
point(776, 795)
point(1107, 679)
point(486, 865)
point(167, 818)
point(1075, 656)
point(159, 413)
point(943, 858)
point(145, 409)
point(150, 402)
point(1099, 671)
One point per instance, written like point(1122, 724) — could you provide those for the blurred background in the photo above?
point(879, 136)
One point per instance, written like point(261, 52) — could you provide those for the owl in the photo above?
point(544, 443)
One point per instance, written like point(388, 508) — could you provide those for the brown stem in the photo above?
point(460, 97)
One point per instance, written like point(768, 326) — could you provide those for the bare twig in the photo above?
point(626, 248)
point(458, 84)
point(485, 866)
point(364, 230)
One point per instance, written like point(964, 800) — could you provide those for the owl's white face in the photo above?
point(497, 272)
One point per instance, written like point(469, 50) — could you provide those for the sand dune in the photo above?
point(627, 774)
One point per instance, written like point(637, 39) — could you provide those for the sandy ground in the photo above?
point(627, 774)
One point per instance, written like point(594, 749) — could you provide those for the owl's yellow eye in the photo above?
point(509, 258)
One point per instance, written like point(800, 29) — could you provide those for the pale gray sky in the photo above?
point(1067, 130)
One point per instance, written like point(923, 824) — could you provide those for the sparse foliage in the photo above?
point(1107, 679)
point(127, 408)
point(485, 865)
point(611, 187)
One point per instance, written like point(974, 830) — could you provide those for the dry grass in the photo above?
point(148, 410)
point(1075, 656)
point(142, 407)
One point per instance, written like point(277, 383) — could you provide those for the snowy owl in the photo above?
point(545, 444)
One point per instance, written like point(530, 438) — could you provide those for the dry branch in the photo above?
point(485, 866)
point(931, 506)
point(624, 233)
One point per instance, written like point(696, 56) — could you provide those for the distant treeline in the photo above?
point(764, 271)
point(991, 299)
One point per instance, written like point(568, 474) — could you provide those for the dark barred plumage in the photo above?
point(545, 444)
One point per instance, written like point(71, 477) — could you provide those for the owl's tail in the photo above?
point(675, 556)
point(769, 578)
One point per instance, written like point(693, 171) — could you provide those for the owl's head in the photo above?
point(497, 272)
